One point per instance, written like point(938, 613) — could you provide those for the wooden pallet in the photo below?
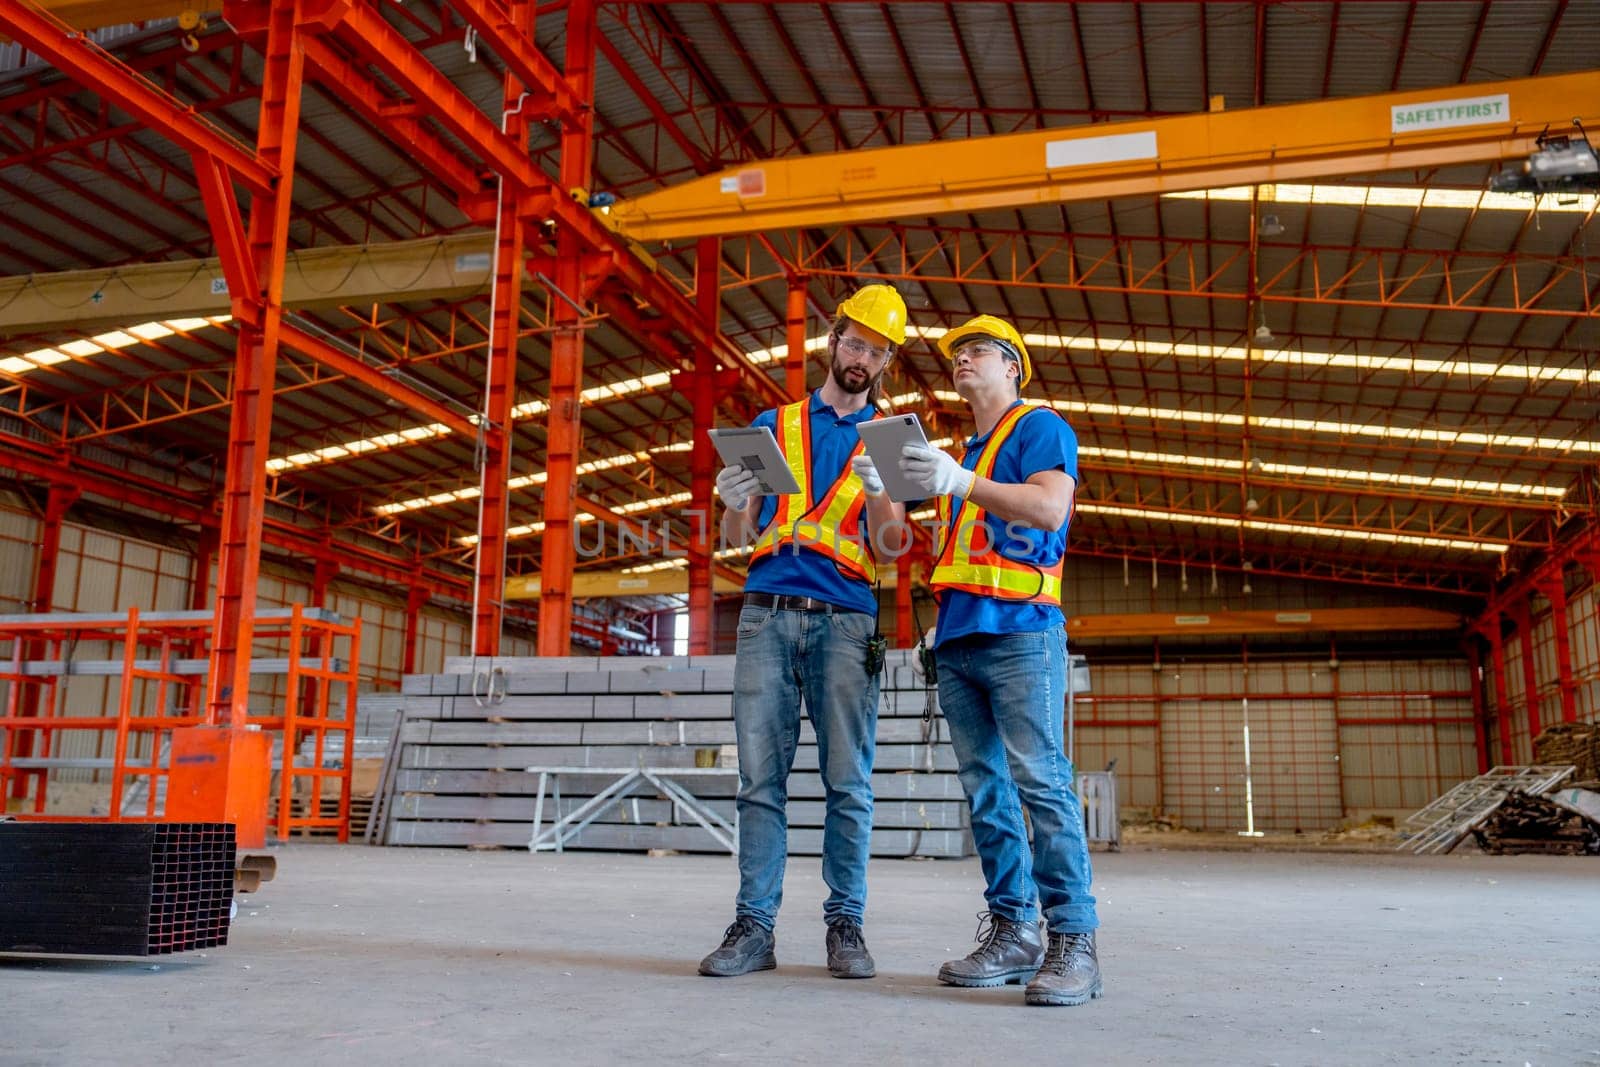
point(360, 813)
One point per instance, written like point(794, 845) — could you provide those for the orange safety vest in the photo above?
point(970, 557)
point(831, 525)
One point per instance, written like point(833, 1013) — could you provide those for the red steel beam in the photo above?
point(391, 116)
point(510, 34)
point(92, 67)
point(250, 428)
point(382, 46)
point(573, 282)
point(1387, 278)
point(489, 567)
point(1480, 729)
point(794, 362)
point(30, 460)
point(702, 383)
point(373, 377)
point(1554, 590)
point(59, 497)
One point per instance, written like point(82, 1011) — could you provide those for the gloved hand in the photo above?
point(867, 471)
point(736, 486)
point(936, 471)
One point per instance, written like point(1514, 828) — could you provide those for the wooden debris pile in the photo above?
point(1539, 824)
point(1577, 743)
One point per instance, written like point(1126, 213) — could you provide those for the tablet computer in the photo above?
point(884, 438)
point(756, 450)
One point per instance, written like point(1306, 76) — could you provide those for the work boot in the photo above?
point(1070, 973)
point(746, 946)
point(847, 952)
point(1008, 952)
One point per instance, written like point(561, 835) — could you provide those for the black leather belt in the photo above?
point(790, 603)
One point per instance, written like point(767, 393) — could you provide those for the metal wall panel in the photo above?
point(19, 534)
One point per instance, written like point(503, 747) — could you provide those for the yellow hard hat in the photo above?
point(880, 309)
point(989, 326)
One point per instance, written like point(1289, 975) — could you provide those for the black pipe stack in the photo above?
point(115, 889)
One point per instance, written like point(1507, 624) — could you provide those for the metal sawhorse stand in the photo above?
point(564, 828)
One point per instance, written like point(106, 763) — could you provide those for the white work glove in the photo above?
point(736, 486)
point(936, 471)
point(867, 471)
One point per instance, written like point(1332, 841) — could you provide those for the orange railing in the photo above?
point(162, 674)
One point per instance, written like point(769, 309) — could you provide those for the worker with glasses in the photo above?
point(808, 635)
point(1000, 651)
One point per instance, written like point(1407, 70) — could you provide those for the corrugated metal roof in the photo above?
point(127, 199)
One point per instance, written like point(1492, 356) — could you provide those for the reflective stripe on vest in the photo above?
point(969, 559)
point(832, 525)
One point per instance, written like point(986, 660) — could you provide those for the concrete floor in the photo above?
point(443, 957)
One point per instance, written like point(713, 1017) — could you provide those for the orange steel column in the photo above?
point(794, 364)
point(1555, 590)
point(1480, 732)
point(321, 577)
point(566, 357)
point(415, 599)
point(58, 499)
point(205, 553)
point(489, 564)
point(1522, 616)
point(250, 431)
point(702, 457)
point(1502, 714)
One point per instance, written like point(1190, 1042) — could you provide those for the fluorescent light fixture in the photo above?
point(1408, 365)
point(328, 453)
point(151, 331)
point(679, 563)
point(83, 348)
point(1396, 196)
point(1295, 470)
point(631, 508)
point(1297, 529)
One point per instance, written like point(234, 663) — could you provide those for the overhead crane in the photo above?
point(1407, 130)
point(1411, 130)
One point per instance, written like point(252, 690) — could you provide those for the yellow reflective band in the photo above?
point(1032, 584)
point(845, 502)
point(997, 575)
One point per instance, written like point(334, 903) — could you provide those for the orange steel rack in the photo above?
point(162, 672)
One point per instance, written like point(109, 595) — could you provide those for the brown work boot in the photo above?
point(1008, 952)
point(1070, 973)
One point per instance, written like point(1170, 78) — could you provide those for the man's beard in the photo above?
point(852, 383)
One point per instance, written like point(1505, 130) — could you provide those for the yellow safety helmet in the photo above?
point(880, 309)
point(988, 326)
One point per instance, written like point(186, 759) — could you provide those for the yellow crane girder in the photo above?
point(1319, 620)
point(598, 584)
point(442, 268)
point(1415, 129)
point(94, 14)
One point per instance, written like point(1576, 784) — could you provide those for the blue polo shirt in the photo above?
point(796, 570)
point(1041, 441)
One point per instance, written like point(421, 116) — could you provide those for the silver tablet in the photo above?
point(755, 449)
point(884, 438)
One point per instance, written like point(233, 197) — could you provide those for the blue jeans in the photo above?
point(784, 657)
point(1003, 697)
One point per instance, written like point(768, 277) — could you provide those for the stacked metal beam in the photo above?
point(129, 889)
point(457, 777)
